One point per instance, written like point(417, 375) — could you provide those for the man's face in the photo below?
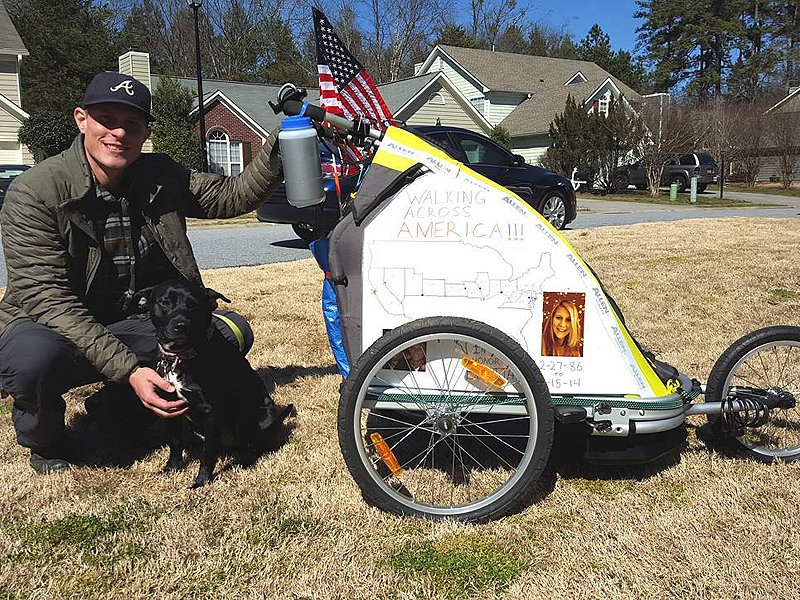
point(114, 134)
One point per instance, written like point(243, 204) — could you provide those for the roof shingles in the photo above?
point(10, 42)
point(252, 98)
point(542, 77)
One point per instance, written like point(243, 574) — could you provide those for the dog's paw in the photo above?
point(172, 467)
point(203, 478)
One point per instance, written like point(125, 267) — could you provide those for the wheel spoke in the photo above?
point(769, 362)
point(461, 444)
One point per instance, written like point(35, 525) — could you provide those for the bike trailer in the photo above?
point(427, 237)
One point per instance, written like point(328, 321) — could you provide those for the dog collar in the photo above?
point(190, 353)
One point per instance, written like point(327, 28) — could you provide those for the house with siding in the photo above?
point(12, 116)
point(462, 87)
point(524, 93)
point(790, 104)
point(238, 118)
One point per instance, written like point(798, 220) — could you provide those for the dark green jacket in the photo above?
point(52, 254)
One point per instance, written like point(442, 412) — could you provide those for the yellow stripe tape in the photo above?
point(234, 328)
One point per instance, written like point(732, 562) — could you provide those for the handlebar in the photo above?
point(290, 102)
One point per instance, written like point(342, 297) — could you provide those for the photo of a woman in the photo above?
point(562, 329)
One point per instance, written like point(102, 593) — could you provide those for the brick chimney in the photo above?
point(137, 64)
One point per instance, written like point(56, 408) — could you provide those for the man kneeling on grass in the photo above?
point(82, 233)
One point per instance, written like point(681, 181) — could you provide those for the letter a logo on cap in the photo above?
point(127, 85)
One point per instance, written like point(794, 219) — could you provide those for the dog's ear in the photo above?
point(213, 296)
point(141, 299)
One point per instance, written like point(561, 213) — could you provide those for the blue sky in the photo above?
point(614, 16)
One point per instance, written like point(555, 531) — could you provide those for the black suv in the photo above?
point(680, 170)
point(549, 193)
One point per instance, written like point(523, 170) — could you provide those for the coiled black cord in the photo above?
point(742, 411)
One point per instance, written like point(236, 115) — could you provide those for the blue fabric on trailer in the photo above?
point(330, 310)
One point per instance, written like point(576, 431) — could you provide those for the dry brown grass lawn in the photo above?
point(294, 526)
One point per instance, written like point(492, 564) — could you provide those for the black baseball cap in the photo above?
point(116, 88)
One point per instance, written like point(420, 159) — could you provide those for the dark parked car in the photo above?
point(680, 171)
point(7, 175)
point(549, 193)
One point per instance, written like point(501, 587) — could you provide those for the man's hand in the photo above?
point(145, 382)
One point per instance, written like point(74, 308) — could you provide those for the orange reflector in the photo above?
point(484, 373)
point(386, 454)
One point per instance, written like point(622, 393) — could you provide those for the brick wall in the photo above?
point(220, 116)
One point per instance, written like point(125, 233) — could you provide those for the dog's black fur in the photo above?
point(227, 400)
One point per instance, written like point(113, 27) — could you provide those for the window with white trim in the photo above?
point(436, 98)
point(224, 156)
point(602, 106)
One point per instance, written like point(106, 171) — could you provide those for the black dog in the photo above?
point(228, 401)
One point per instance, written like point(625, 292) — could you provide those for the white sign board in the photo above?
point(453, 244)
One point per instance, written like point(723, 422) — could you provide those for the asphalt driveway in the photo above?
point(217, 247)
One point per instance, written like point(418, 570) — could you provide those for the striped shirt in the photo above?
point(131, 257)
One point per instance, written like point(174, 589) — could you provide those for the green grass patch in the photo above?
point(228, 569)
point(460, 565)
point(5, 409)
point(305, 526)
point(773, 190)
point(668, 492)
point(706, 199)
point(608, 489)
point(783, 295)
point(100, 539)
point(260, 533)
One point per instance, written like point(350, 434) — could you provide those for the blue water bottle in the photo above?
point(301, 163)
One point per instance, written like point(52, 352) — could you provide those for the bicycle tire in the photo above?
point(765, 358)
point(493, 439)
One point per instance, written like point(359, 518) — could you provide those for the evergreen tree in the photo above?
point(513, 40)
point(596, 48)
point(69, 42)
point(571, 143)
point(455, 35)
point(711, 48)
point(47, 133)
point(282, 59)
point(173, 129)
point(547, 41)
point(141, 30)
point(787, 42)
point(501, 135)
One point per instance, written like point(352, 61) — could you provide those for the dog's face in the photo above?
point(181, 313)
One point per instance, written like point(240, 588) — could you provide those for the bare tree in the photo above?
point(617, 141)
point(236, 36)
point(720, 120)
point(399, 31)
point(671, 130)
point(784, 132)
point(491, 19)
point(752, 141)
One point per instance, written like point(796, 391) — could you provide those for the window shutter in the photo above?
point(247, 153)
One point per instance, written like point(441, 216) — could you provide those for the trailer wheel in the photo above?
point(766, 361)
point(443, 418)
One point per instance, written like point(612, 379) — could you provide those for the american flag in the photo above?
point(345, 87)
